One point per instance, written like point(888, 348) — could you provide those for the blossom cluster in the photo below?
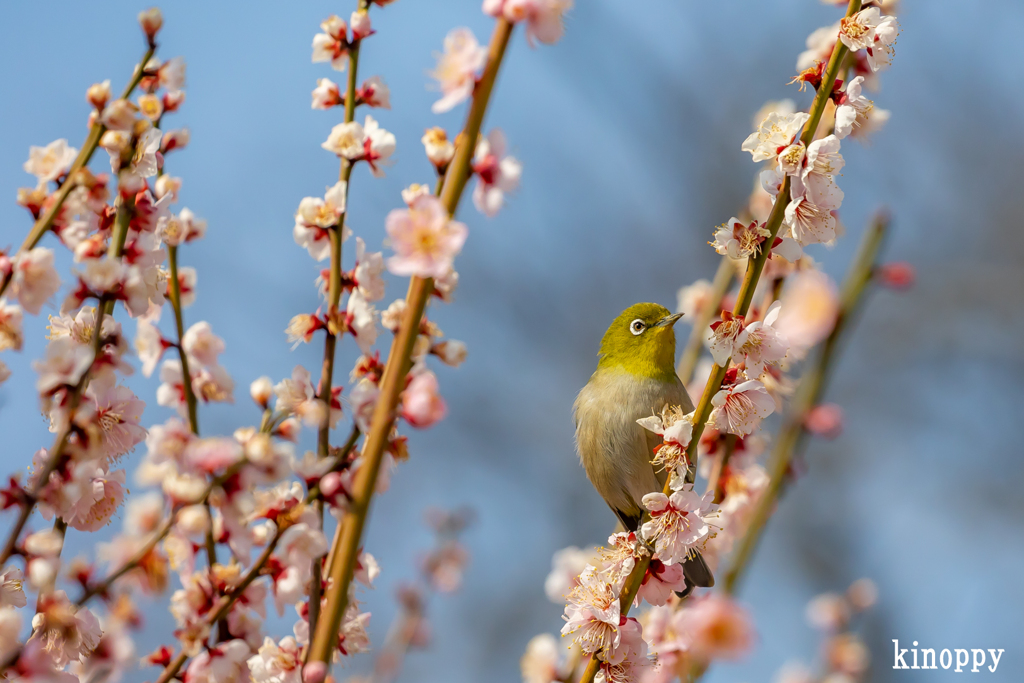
point(793, 308)
point(230, 523)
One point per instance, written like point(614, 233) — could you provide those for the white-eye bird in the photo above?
point(635, 377)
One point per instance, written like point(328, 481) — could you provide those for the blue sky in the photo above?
point(629, 132)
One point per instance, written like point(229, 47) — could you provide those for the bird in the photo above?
point(635, 378)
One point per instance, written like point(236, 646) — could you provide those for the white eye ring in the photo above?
point(637, 326)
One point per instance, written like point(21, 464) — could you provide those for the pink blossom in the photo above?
point(592, 613)
point(422, 405)
point(99, 495)
point(149, 345)
point(118, 412)
point(716, 627)
point(64, 364)
point(314, 218)
point(543, 661)
point(810, 304)
point(723, 338)
point(544, 20)
point(424, 238)
point(363, 398)
point(627, 662)
point(35, 279)
point(739, 409)
point(212, 455)
point(680, 524)
point(201, 344)
point(737, 239)
point(871, 31)
point(361, 318)
point(692, 299)
point(777, 131)
point(50, 162)
point(298, 397)
point(222, 663)
point(326, 94)
point(277, 663)
point(359, 21)
point(857, 115)
point(660, 582)
point(496, 172)
point(10, 326)
point(898, 275)
point(11, 592)
point(457, 67)
point(760, 343)
point(185, 227)
point(332, 45)
point(368, 270)
point(66, 631)
point(824, 420)
point(438, 147)
point(374, 93)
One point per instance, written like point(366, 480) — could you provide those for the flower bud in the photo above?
point(451, 352)
point(289, 429)
point(360, 24)
point(825, 420)
point(173, 100)
point(261, 389)
point(174, 139)
point(168, 185)
point(439, 149)
point(151, 20)
point(314, 672)
point(98, 94)
point(899, 275)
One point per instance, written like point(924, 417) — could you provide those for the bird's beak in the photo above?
point(668, 320)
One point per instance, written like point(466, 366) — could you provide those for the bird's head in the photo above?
point(641, 341)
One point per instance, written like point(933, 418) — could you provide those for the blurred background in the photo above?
point(629, 131)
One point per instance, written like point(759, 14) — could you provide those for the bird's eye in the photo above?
point(637, 326)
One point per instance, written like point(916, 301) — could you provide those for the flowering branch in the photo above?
point(812, 385)
point(349, 533)
point(92, 141)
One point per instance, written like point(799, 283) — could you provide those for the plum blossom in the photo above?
point(66, 632)
point(326, 94)
point(149, 345)
point(422, 405)
point(378, 146)
point(368, 270)
point(680, 524)
point(363, 398)
point(10, 326)
point(760, 343)
point(819, 46)
point(873, 32)
point(50, 162)
point(777, 131)
point(35, 279)
point(825, 420)
point(222, 663)
point(544, 18)
point(723, 338)
point(332, 45)
point(856, 115)
point(739, 409)
point(592, 613)
point(660, 582)
point(185, 227)
point(360, 23)
point(315, 216)
point(11, 592)
point(374, 92)
point(118, 412)
point(424, 238)
point(543, 661)
point(438, 147)
point(361, 320)
point(63, 365)
point(496, 173)
point(98, 94)
point(277, 663)
point(297, 397)
point(716, 627)
point(692, 299)
point(452, 352)
point(457, 67)
point(810, 304)
point(676, 429)
point(201, 344)
point(738, 239)
point(346, 140)
point(628, 661)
